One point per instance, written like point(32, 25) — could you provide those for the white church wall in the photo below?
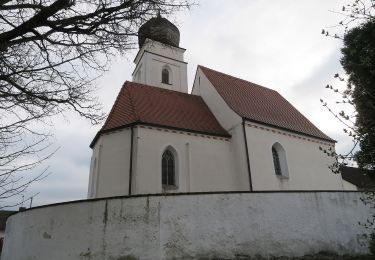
point(239, 156)
point(210, 226)
point(229, 120)
point(161, 49)
point(204, 162)
point(307, 165)
point(112, 152)
point(150, 70)
point(153, 58)
point(178, 75)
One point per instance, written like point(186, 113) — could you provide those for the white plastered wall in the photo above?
point(151, 60)
point(307, 164)
point(223, 113)
point(229, 120)
point(211, 226)
point(161, 49)
point(112, 154)
point(204, 162)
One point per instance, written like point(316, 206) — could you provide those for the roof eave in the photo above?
point(92, 144)
point(99, 133)
point(290, 130)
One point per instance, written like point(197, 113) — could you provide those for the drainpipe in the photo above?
point(247, 155)
point(131, 159)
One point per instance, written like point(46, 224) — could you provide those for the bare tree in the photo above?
point(354, 13)
point(354, 89)
point(50, 51)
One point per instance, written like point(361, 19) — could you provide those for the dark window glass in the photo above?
point(165, 76)
point(276, 161)
point(168, 169)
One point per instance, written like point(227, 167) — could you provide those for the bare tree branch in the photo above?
point(51, 52)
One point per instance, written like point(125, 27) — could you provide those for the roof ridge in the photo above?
point(234, 77)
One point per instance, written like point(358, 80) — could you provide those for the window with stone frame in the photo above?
point(168, 169)
point(279, 161)
point(276, 162)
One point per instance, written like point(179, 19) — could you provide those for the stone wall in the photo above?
point(191, 226)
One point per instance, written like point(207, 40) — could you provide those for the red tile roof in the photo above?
point(139, 103)
point(260, 104)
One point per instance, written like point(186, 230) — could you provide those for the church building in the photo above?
point(228, 134)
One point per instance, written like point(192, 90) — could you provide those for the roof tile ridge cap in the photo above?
point(234, 77)
point(114, 104)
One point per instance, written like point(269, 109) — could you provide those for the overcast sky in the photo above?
point(273, 43)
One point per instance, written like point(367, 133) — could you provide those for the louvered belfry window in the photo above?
point(168, 169)
point(276, 161)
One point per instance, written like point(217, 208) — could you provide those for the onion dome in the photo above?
point(159, 29)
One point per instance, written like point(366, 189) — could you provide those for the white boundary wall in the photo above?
point(220, 225)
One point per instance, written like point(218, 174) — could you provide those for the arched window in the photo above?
point(168, 166)
point(165, 76)
point(279, 161)
point(276, 161)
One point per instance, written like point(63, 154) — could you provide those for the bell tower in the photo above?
point(160, 60)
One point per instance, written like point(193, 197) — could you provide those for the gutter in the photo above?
point(247, 155)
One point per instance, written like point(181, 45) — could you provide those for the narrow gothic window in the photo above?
point(168, 169)
point(279, 161)
point(165, 76)
point(276, 161)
